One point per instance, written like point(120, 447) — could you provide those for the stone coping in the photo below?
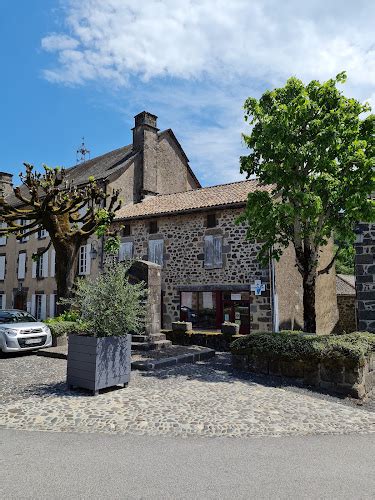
point(150, 360)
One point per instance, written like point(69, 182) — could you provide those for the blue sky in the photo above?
point(86, 67)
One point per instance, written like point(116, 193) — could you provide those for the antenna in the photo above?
point(82, 152)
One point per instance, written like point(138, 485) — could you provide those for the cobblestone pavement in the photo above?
point(204, 399)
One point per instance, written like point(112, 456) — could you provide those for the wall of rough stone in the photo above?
point(184, 270)
point(347, 316)
point(365, 273)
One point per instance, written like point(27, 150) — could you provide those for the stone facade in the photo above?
point(365, 277)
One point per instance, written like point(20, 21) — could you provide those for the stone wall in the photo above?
point(183, 267)
point(365, 281)
point(347, 322)
point(340, 376)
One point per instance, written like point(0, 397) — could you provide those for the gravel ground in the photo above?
point(203, 399)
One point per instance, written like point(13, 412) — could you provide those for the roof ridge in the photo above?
point(204, 187)
point(97, 157)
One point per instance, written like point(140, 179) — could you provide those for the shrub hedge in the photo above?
point(296, 345)
point(63, 328)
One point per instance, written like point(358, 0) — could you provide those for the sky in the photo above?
point(73, 68)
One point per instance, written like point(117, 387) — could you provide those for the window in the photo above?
point(2, 267)
point(211, 220)
point(40, 266)
point(84, 260)
point(125, 251)
point(23, 223)
point(153, 227)
point(41, 234)
point(3, 239)
point(155, 251)
point(38, 305)
point(52, 305)
point(199, 308)
point(213, 251)
point(2, 301)
point(126, 230)
point(21, 266)
point(53, 262)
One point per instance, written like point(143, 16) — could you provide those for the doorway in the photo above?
point(20, 301)
point(236, 309)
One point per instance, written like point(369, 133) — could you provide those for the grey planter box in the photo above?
point(96, 363)
point(230, 329)
point(183, 326)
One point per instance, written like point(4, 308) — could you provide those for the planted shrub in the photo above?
point(294, 345)
point(65, 328)
point(109, 305)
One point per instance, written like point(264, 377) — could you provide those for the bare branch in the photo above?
point(329, 266)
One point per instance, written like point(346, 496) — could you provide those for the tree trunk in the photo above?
point(66, 271)
point(309, 312)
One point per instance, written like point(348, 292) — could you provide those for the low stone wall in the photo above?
point(340, 376)
point(216, 341)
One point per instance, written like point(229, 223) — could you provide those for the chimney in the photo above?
point(6, 184)
point(145, 142)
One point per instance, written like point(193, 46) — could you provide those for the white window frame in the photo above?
point(213, 251)
point(21, 271)
point(156, 251)
point(3, 300)
point(41, 234)
point(23, 222)
point(2, 267)
point(84, 260)
point(3, 239)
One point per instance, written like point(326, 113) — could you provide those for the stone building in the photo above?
point(209, 272)
point(345, 289)
point(365, 277)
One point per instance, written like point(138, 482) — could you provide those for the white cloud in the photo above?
point(219, 48)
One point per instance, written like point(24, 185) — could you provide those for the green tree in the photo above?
point(69, 214)
point(315, 148)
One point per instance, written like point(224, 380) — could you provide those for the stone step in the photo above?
point(148, 346)
point(146, 338)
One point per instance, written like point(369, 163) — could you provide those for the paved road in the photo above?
point(89, 466)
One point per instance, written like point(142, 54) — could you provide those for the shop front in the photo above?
point(207, 310)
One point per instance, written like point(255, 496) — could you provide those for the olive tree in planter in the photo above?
point(111, 309)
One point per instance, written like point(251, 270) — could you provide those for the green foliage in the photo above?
point(345, 260)
point(64, 328)
point(65, 316)
point(313, 145)
point(296, 345)
point(112, 244)
point(109, 304)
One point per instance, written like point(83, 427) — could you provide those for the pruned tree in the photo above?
point(69, 214)
point(314, 146)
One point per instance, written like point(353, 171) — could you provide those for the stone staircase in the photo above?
point(151, 342)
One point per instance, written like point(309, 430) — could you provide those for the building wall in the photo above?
point(365, 281)
point(347, 318)
point(183, 268)
point(290, 293)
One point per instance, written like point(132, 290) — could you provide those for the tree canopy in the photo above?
point(316, 148)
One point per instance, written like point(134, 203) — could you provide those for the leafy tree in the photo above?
point(69, 214)
point(345, 259)
point(316, 149)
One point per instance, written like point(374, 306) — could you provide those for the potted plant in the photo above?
point(111, 309)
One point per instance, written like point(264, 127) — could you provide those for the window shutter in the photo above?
point(21, 265)
point(88, 258)
point(2, 267)
point(53, 262)
point(43, 309)
point(52, 300)
point(209, 251)
point(3, 239)
point(45, 265)
point(218, 251)
point(33, 304)
point(155, 251)
point(3, 301)
point(33, 269)
point(125, 251)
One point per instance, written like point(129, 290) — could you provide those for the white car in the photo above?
point(20, 331)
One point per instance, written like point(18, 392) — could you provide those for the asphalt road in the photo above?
point(89, 466)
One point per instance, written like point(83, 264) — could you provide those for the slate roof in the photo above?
point(345, 284)
point(223, 195)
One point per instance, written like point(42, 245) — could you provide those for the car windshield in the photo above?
point(16, 317)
